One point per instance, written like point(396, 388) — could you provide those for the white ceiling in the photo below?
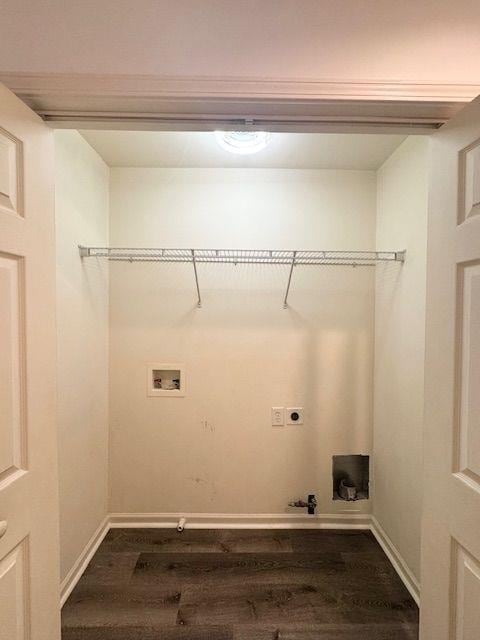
point(200, 149)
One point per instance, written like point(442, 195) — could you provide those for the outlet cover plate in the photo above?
point(278, 416)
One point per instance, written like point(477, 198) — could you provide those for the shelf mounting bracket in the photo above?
point(194, 262)
point(285, 300)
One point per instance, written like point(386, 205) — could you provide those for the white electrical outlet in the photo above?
point(278, 416)
point(294, 415)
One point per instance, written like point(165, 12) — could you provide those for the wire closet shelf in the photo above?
point(292, 258)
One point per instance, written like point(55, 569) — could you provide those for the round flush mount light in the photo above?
point(242, 142)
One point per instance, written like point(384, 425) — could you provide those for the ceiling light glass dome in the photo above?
point(243, 142)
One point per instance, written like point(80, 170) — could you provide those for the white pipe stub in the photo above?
point(181, 524)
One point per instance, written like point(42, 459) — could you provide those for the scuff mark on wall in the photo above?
point(205, 483)
point(208, 426)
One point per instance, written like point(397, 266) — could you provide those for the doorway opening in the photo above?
point(231, 324)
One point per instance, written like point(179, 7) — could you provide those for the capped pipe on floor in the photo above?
point(181, 525)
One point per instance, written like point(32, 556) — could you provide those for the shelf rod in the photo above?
point(194, 262)
point(285, 301)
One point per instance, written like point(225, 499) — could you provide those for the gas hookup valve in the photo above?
point(310, 505)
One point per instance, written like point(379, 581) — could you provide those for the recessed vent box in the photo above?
point(351, 477)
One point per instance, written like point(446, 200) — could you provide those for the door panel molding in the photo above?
point(14, 589)
point(464, 594)
point(11, 173)
point(13, 449)
point(469, 182)
point(467, 345)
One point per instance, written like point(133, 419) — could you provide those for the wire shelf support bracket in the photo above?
point(290, 258)
point(194, 262)
point(289, 282)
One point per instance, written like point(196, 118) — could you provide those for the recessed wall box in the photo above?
point(351, 477)
point(166, 380)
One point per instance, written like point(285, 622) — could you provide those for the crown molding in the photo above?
point(205, 102)
point(202, 87)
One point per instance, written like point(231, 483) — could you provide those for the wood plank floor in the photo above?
point(157, 584)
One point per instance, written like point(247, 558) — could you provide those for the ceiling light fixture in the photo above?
point(243, 142)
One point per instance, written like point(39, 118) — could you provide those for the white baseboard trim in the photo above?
point(396, 560)
point(73, 576)
point(241, 521)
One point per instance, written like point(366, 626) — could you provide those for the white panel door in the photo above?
point(450, 599)
point(29, 573)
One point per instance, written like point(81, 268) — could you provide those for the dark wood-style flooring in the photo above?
point(157, 584)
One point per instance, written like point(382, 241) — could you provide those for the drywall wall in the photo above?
point(400, 348)
point(82, 197)
point(352, 41)
point(215, 449)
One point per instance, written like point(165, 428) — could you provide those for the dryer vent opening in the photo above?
point(351, 477)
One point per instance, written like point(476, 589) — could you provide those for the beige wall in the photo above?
point(215, 450)
point(400, 348)
point(82, 314)
point(382, 40)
